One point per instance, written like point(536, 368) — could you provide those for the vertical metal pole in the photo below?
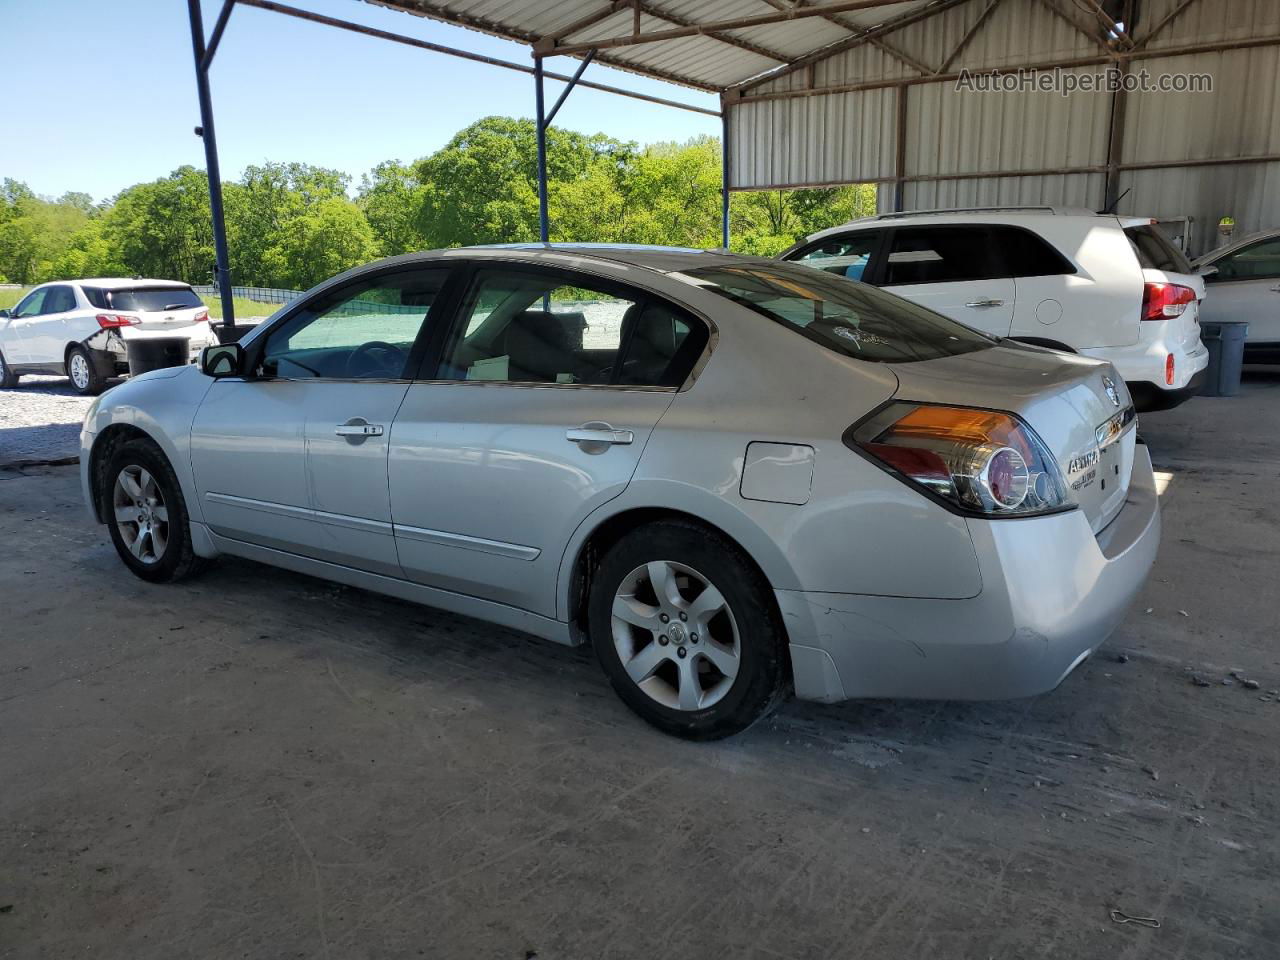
point(222, 269)
point(543, 224)
point(900, 151)
point(724, 175)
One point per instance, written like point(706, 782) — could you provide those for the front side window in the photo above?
point(519, 326)
point(846, 256)
point(850, 318)
point(940, 255)
point(364, 331)
point(32, 304)
point(1259, 261)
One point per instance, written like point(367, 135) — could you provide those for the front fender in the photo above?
point(162, 404)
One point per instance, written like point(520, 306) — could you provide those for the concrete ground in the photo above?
point(258, 764)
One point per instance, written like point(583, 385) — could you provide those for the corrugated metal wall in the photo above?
point(850, 136)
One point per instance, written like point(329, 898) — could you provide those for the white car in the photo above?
point(79, 328)
point(1246, 286)
point(1109, 287)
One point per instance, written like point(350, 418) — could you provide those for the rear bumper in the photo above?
point(1052, 593)
point(1143, 367)
point(1149, 397)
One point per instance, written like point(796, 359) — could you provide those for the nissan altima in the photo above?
point(735, 478)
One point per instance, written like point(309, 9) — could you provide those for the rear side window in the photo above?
point(940, 255)
point(1156, 251)
point(853, 319)
point(97, 297)
point(957, 254)
point(59, 300)
point(845, 256)
point(549, 327)
point(152, 299)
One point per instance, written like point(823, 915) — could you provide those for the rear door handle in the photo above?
point(599, 435)
point(358, 427)
point(985, 303)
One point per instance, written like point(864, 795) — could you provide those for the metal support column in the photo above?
point(222, 270)
point(724, 175)
point(544, 228)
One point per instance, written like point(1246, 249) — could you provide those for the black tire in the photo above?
point(88, 383)
point(762, 678)
point(177, 560)
point(8, 379)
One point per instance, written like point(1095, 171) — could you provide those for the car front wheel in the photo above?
point(686, 630)
point(146, 514)
point(8, 378)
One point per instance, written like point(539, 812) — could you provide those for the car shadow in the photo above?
point(40, 420)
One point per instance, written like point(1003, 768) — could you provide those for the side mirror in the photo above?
point(222, 360)
point(1208, 270)
point(4, 314)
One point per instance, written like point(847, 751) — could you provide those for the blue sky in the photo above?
point(100, 95)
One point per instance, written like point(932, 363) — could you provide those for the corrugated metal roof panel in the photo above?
point(1208, 21)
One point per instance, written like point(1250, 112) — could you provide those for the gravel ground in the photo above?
point(40, 421)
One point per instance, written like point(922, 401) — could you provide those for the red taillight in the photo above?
point(108, 321)
point(202, 317)
point(1160, 301)
point(1168, 369)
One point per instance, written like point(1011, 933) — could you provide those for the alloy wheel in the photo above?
point(79, 371)
point(141, 514)
point(675, 635)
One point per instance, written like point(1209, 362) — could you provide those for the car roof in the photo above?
point(1219, 252)
point(116, 283)
point(1002, 215)
point(648, 257)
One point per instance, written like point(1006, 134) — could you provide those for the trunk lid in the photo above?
point(1079, 407)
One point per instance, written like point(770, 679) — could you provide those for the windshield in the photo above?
point(144, 299)
point(848, 317)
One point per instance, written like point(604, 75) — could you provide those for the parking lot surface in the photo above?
point(260, 764)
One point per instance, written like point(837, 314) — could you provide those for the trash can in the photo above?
point(156, 353)
point(1225, 340)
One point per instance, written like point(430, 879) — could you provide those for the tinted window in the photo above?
point(152, 299)
point(1259, 261)
point(31, 304)
point(940, 255)
point(522, 326)
point(1155, 251)
point(96, 296)
point(59, 300)
point(365, 330)
point(846, 256)
point(850, 318)
point(1024, 254)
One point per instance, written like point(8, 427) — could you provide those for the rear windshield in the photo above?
point(1156, 251)
point(143, 299)
point(842, 315)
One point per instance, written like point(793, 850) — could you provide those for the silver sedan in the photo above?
point(733, 477)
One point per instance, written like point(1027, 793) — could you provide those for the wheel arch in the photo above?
point(597, 534)
point(104, 445)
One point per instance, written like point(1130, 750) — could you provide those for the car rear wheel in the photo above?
point(8, 379)
point(146, 514)
point(686, 630)
point(84, 376)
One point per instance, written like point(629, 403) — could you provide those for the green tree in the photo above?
point(330, 236)
point(391, 196)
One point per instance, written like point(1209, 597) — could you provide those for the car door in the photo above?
point(18, 331)
point(295, 457)
point(953, 270)
point(1247, 287)
point(546, 390)
point(846, 255)
point(50, 333)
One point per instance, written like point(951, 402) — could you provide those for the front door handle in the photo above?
point(604, 434)
point(990, 302)
point(358, 429)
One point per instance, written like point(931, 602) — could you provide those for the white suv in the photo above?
point(1104, 286)
point(79, 328)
